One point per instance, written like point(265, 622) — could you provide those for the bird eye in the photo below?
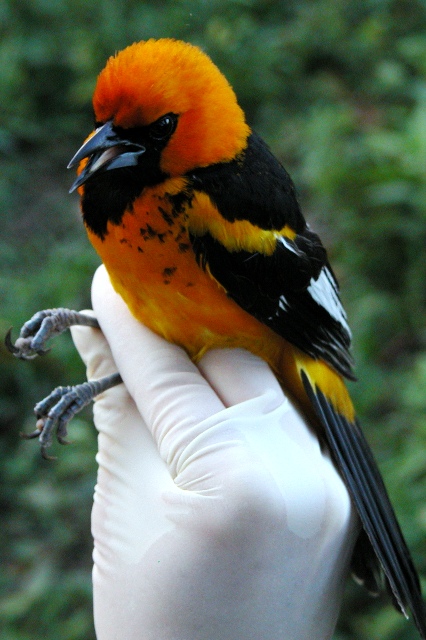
point(163, 127)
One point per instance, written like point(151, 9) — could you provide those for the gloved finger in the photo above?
point(128, 513)
point(238, 375)
point(93, 349)
point(131, 476)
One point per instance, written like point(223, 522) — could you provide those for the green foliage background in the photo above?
point(338, 89)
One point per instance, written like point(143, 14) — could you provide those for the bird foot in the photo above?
point(59, 407)
point(41, 327)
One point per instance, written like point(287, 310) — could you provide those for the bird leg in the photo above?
point(59, 407)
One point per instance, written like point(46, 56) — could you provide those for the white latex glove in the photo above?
point(216, 514)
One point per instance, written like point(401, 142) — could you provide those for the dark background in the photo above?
point(338, 89)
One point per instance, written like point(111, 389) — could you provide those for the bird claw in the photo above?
point(40, 328)
point(32, 435)
point(9, 344)
point(37, 434)
point(23, 347)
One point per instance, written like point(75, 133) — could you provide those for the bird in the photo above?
point(200, 229)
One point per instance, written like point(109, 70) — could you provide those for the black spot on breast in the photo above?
point(151, 231)
point(169, 271)
point(167, 217)
point(183, 247)
point(180, 201)
point(148, 232)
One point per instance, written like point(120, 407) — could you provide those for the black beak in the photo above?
point(106, 150)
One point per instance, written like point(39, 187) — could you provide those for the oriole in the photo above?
point(201, 232)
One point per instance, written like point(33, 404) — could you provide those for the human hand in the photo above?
point(217, 516)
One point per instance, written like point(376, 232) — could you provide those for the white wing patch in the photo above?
point(324, 291)
point(289, 244)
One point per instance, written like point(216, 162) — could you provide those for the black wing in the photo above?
point(294, 292)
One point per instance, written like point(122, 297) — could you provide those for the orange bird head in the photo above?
point(163, 103)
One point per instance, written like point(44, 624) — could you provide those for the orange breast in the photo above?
point(151, 264)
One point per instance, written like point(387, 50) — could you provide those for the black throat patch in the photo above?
point(109, 194)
